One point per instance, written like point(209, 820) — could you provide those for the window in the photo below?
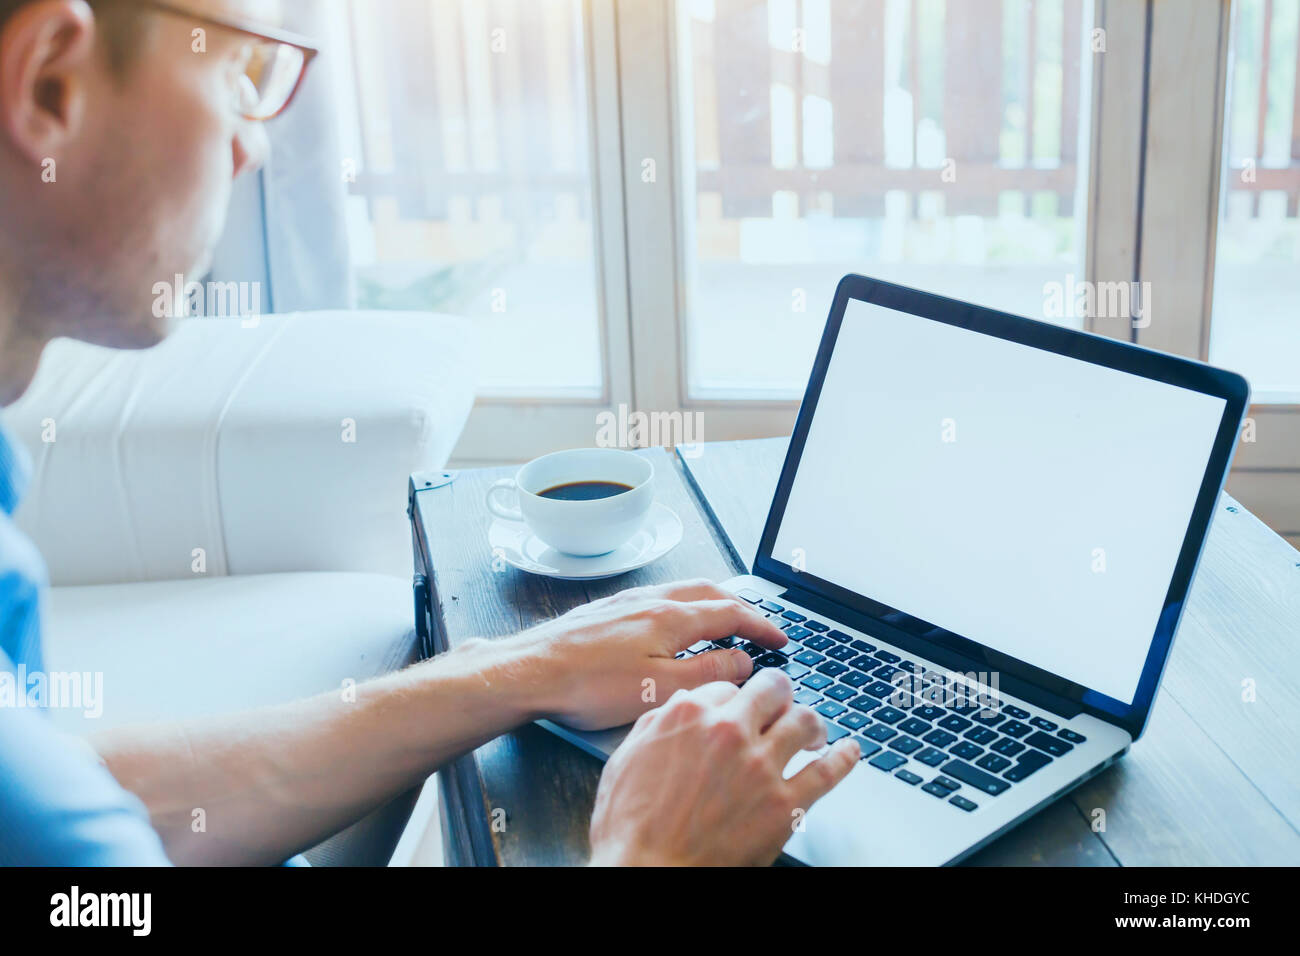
point(468, 163)
point(937, 144)
point(1255, 328)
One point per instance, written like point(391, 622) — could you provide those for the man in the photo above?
point(118, 146)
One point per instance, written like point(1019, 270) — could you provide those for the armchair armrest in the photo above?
point(230, 449)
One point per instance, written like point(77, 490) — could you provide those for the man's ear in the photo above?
point(47, 48)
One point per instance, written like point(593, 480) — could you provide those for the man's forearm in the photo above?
point(274, 781)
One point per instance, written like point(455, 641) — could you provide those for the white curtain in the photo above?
point(287, 228)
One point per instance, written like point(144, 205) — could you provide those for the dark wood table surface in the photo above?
point(1215, 779)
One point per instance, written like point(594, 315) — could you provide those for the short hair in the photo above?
point(117, 22)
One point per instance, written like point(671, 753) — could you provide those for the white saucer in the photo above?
point(520, 548)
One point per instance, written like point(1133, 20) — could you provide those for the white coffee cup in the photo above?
point(579, 527)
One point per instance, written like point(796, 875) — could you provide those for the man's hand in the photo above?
point(699, 781)
point(607, 662)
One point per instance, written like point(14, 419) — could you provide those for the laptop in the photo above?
point(980, 546)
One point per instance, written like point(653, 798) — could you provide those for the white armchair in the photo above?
point(223, 516)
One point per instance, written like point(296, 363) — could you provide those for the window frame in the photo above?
point(1188, 66)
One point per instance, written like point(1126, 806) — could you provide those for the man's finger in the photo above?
point(730, 666)
point(767, 696)
point(819, 777)
point(715, 693)
point(670, 686)
point(711, 620)
point(798, 728)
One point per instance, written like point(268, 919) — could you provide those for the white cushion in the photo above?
point(234, 440)
point(170, 649)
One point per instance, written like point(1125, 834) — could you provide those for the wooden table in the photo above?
point(1215, 779)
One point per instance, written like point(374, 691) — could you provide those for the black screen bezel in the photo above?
point(1121, 356)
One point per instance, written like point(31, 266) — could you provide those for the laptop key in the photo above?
point(834, 732)
point(908, 666)
point(840, 693)
point(1065, 733)
point(929, 712)
point(1049, 744)
point(794, 616)
point(699, 646)
point(1042, 723)
point(840, 636)
point(771, 606)
point(797, 633)
point(1007, 747)
point(865, 663)
point(864, 646)
point(864, 703)
point(887, 656)
point(902, 700)
point(1015, 728)
point(855, 678)
point(855, 721)
point(939, 738)
point(993, 763)
point(841, 652)
point(1031, 762)
point(807, 697)
point(936, 791)
point(965, 750)
point(888, 761)
point(915, 727)
point(830, 709)
point(814, 625)
point(955, 723)
point(881, 732)
point(989, 718)
point(753, 597)
point(931, 757)
point(906, 745)
point(726, 641)
point(868, 747)
point(957, 800)
point(812, 659)
point(832, 668)
point(981, 735)
point(816, 681)
point(1014, 712)
point(981, 781)
point(879, 689)
point(771, 659)
point(947, 783)
point(818, 643)
point(794, 671)
point(889, 715)
point(908, 777)
point(885, 672)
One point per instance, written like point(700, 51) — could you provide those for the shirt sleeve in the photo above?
point(61, 807)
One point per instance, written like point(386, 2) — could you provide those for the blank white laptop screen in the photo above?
point(1033, 503)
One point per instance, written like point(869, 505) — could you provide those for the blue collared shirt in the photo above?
point(58, 805)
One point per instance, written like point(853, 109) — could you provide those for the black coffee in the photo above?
point(585, 490)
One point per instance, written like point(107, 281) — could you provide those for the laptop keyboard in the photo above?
point(912, 722)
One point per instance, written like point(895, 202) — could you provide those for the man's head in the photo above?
point(121, 133)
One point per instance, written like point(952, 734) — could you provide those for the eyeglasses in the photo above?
point(271, 67)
